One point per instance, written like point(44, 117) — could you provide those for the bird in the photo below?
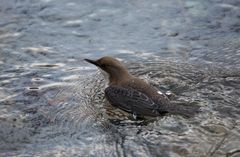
point(134, 95)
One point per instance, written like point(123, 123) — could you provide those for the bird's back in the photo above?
point(143, 87)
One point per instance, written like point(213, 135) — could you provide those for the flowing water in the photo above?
point(52, 102)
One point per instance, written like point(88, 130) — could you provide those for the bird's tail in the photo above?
point(183, 109)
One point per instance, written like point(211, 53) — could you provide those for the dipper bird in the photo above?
point(134, 95)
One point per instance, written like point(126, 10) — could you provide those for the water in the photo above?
point(52, 103)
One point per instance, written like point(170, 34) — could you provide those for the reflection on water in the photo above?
point(52, 102)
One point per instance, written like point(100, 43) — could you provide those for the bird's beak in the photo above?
point(92, 62)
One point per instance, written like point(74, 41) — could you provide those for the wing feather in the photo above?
point(131, 100)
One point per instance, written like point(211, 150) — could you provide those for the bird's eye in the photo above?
point(103, 65)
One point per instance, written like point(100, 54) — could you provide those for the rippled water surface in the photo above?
point(52, 102)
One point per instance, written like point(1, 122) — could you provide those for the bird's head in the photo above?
point(114, 68)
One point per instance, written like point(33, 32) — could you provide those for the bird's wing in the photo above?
point(131, 100)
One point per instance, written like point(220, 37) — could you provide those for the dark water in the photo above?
point(51, 101)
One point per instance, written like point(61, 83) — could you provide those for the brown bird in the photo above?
point(133, 95)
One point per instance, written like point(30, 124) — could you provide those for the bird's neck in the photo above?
point(120, 77)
